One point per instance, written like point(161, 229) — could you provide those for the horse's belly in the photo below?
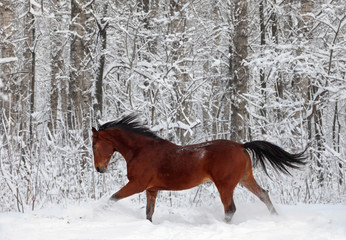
point(182, 169)
point(176, 182)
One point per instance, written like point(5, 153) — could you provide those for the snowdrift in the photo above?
point(126, 220)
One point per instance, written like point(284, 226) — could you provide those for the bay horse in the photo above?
point(155, 164)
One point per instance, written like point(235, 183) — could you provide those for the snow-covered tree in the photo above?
point(193, 70)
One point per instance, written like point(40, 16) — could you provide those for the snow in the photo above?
point(126, 220)
point(7, 60)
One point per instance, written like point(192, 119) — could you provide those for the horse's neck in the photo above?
point(127, 143)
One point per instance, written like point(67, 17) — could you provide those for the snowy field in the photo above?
point(126, 220)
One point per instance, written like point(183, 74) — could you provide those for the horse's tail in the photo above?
point(275, 155)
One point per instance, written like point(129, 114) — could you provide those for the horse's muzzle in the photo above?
point(101, 169)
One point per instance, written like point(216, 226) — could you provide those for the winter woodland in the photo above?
point(193, 70)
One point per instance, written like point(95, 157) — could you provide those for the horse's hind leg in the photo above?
point(228, 203)
point(250, 183)
point(226, 194)
point(229, 209)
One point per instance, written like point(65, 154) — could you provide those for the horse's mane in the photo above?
point(130, 123)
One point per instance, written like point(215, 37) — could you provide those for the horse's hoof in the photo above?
point(113, 198)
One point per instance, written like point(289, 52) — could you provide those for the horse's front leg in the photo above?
point(129, 189)
point(151, 198)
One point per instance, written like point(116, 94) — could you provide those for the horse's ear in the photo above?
point(94, 130)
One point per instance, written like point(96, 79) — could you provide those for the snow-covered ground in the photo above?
point(126, 220)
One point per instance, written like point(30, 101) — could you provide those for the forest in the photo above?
point(192, 70)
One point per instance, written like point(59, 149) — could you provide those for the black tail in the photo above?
point(275, 155)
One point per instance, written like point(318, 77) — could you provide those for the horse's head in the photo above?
point(103, 151)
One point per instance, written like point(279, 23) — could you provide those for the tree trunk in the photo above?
point(58, 73)
point(177, 29)
point(301, 80)
point(239, 72)
point(102, 32)
point(149, 10)
point(27, 100)
point(80, 75)
point(279, 84)
point(262, 70)
point(8, 79)
point(28, 85)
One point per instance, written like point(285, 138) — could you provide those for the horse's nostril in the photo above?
point(101, 169)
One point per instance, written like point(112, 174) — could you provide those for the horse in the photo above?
point(155, 164)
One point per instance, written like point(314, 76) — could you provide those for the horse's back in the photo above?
point(183, 167)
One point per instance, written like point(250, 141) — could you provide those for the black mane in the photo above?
point(130, 123)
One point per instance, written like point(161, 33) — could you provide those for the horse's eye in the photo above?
point(94, 148)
